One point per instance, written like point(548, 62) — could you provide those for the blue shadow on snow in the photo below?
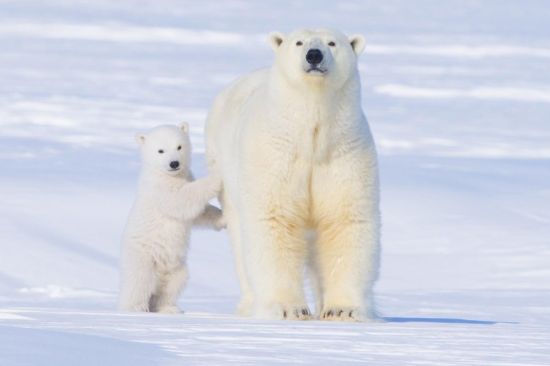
point(442, 321)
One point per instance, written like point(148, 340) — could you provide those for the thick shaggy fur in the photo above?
point(156, 239)
point(300, 180)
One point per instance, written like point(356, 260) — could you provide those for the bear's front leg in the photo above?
point(347, 255)
point(273, 202)
point(275, 258)
point(348, 236)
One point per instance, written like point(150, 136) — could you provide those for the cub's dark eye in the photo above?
point(299, 43)
point(179, 147)
point(161, 151)
point(331, 44)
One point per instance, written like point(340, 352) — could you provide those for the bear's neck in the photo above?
point(314, 101)
point(314, 119)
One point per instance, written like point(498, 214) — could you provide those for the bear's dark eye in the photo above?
point(299, 43)
point(179, 147)
point(161, 151)
point(331, 44)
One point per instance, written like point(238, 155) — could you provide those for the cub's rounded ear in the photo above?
point(358, 43)
point(184, 126)
point(276, 39)
point(140, 138)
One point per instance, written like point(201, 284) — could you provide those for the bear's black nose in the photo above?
point(314, 56)
point(174, 164)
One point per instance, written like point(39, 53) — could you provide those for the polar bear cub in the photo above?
point(168, 203)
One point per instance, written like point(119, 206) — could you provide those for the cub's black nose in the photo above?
point(174, 164)
point(314, 56)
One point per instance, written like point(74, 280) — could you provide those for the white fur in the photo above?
point(153, 269)
point(297, 157)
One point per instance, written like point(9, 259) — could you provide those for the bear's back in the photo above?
point(243, 89)
point(226, 114)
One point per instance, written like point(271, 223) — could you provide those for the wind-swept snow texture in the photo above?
point(457, 94)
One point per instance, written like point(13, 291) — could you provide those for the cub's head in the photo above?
point(317, 55)
point(166, 149)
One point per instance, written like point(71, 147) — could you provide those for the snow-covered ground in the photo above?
point(458, 97)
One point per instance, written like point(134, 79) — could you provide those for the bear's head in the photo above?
point(166, 149)
point(319, 55)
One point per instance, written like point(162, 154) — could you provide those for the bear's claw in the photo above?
point(297, 313)
point(284, 312)
point(342, 314)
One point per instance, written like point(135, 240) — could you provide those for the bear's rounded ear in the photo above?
point(184, 126)
point(140, 138)
point(358, 43)
point(276, 39)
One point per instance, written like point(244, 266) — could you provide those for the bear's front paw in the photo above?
point(297, 313)
point(346, 314)
point(285, 312)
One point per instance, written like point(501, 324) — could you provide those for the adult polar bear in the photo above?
point(297, 157)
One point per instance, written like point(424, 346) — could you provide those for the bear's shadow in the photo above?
point(442, 321)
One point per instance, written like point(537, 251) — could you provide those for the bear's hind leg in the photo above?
point(246, 302)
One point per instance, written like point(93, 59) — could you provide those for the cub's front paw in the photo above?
point(220, 223)
point(215, 181)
